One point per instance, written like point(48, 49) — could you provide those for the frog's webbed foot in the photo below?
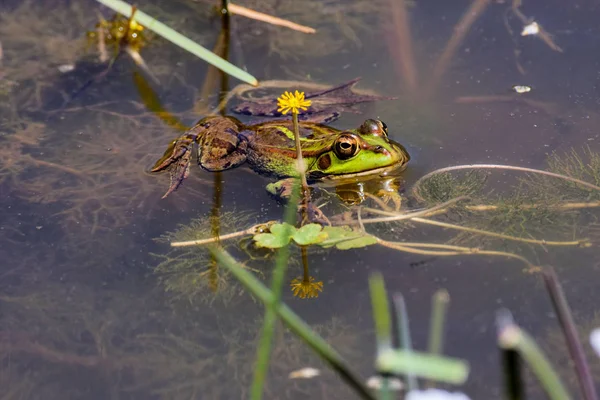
point(176, 160)
point(391, 197)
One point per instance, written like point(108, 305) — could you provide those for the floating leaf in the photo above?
point(344, 238)
point(310, 234)
point(280, 235)
point(362, 241)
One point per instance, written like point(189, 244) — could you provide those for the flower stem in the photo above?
point(299, 158)
point(306, 276)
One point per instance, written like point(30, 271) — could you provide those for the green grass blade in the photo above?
point(437, 322)
point(381, 312)
point(264, 347)
point(295, 323)
point(177, 38)
point(404, 333)
point(510, 336)
point(383, 324)
point(423, 365)
point(440, 301)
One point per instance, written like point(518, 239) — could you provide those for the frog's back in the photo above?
point(280, 134)
point(272, 146)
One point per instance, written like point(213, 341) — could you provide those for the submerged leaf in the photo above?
point(344, 238)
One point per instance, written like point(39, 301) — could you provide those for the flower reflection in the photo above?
point(306, 288)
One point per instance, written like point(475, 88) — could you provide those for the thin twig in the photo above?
point(583, 242)
point(498, 166)
point(586, 381)
point(393, 216)
point(460, 31)
point(248, 13)
point(198, 242)
point(562, 206)
point(400, 43)
point(420, 248)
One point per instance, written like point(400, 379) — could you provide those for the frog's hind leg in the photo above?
point(222, 153)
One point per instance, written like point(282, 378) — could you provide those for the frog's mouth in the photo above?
point(318, 176)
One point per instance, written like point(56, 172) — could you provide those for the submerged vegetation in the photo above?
point(91, 304)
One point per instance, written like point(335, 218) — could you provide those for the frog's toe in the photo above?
point(281, 189)
point(178, 149)
point(393, 197)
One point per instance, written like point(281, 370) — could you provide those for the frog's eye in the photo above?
point(346, 146)
point(373, 127)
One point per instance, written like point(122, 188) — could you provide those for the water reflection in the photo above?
point(87, 310)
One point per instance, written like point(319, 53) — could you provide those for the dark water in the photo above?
point(85, 314)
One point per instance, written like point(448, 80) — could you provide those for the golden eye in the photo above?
point(346, 146)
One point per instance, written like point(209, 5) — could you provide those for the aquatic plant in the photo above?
point(513, 225)
point(188, 273)
point(180, 40)
point(60, 332)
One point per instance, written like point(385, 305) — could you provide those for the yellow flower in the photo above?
point(304, 288)
point(293, 102)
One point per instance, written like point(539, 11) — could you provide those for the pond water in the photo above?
point(95, 305)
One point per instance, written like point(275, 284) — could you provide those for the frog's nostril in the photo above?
point(378, 149)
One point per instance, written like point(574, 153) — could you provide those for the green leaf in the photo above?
point(423, 365)
point(362, 241)
point(280, 235)
point(344, 238)
point(310, 234)
point(381, 312)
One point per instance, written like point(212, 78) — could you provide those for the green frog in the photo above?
point(269, 149)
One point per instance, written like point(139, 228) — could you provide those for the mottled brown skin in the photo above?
point(220, 147)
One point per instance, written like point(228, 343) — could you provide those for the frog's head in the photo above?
point(363, 151)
